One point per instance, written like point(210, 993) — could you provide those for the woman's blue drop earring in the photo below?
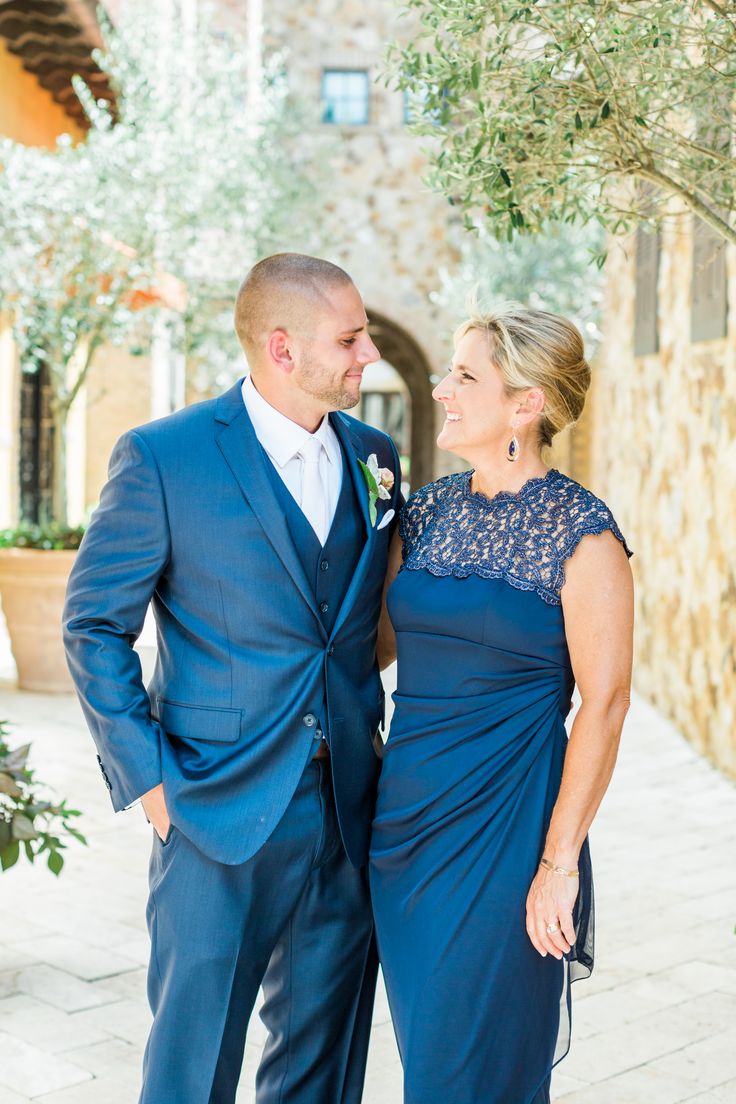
point(513, 450)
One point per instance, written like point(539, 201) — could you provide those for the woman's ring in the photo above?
point(552, 928)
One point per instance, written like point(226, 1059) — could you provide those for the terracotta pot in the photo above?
point(32, 586)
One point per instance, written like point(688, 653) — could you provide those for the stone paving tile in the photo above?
point(246, 1090)
point(565, 1085)
point(721, 1094)
point(26, 1069)
point(131, 984)
point(135, 949)
point(15, 924)
point(602, 980)
point(44, 1026)
point(705, 1064)
point(125, 1019)
point(381, 1010)
point(651, 1038)
point(107, 1089)
point(82, 920)
point(713, 906)
point(13, 959)
point(383, 1075)
point(652, 1026)
point(8, 1097)
point(76, 957)
point(106, 1058)
point(59, 988)
point(640, 1086)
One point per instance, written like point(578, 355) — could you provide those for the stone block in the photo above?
point(45, 1026)
point(60, 989)
point(30, 1071)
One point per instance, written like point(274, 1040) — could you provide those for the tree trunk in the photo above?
point(59, 503)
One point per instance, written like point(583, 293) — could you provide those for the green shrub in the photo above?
point(50, 536)
point(27, 820)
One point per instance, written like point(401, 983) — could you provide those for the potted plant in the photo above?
point(30, 823)
point(178, 186)
point(32, 585)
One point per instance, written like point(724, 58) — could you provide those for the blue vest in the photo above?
point(330, 568)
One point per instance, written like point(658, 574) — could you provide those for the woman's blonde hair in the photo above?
point(534, 348)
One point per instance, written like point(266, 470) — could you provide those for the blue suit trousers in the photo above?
point(295, 918)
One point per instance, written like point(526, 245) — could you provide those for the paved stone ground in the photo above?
point(655, 1025)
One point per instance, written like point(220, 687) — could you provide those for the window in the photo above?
point(345, 97)
point(415, 103)
point(414, 106)
point(646, 301)
point(709, 314)
point(36, 461)
point(646, 334)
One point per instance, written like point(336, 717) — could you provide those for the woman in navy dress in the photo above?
point(514, 585)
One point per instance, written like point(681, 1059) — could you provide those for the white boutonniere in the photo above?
point(379, 481)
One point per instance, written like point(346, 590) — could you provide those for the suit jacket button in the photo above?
point(324, 606)
point(310, 720)
point(331, 649)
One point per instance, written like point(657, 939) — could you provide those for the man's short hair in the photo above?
point(278, 291)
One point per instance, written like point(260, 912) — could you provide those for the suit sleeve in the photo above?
point(121, 559)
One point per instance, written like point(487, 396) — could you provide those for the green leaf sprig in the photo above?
point(28, 821)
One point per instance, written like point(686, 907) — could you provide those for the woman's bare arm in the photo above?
point(597, 602)
point(386, 648)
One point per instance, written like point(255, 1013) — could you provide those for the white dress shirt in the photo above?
point(282, 440)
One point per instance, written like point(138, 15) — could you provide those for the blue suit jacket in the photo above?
point(189, 520)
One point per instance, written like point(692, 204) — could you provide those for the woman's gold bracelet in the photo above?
point(558, 869)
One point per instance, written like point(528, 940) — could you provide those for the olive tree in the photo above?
point(548, 110)
point(178, 187)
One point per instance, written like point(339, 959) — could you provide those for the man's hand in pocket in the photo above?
point(154, 806)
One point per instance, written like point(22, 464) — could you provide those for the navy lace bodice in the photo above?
point(523, 537)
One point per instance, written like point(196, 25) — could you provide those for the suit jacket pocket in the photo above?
point(199, 722)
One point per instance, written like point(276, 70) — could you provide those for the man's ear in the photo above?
point(279, 351)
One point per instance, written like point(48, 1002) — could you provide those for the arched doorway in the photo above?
point(402, 352)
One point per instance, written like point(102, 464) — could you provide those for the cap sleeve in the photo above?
point(589, 515)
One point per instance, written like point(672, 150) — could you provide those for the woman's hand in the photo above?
point(550, 902)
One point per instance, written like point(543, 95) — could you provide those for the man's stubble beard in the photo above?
point(327, 391)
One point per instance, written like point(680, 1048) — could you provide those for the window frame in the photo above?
point(331, 71)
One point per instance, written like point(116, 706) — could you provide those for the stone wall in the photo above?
point(387, 229)
point(663, 455)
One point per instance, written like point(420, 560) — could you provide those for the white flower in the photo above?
point(384, 477)
point(379, 482)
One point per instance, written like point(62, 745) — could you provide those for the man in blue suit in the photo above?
point(249, 524)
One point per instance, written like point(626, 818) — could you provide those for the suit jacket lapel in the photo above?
point(239, 445)
point(353, 449)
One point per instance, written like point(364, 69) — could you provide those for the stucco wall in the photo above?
point(117, 397)
point(28, 113)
